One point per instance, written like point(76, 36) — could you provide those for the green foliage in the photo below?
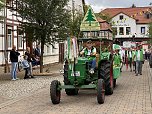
point(104, 17)
point(114, 32)
point(43, 19)
point(133, 6)
point(90, 17)
point(2, 5)
point(46, 21)
point(150, 33)
point(75, 25)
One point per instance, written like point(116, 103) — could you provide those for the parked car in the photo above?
point(150, 60)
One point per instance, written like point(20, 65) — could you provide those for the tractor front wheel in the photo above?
point(100, 91)
point(55, 92)
point(71, 91)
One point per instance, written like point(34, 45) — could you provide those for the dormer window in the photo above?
point(148, 15)
point(121, 17)
point(143, 30)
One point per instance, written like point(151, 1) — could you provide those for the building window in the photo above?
point(20, 38)
point(121, 17)
point(128, 30)
point(10, 4)
point(85, 34)
point(121, 31)
point(48, 49)
point(9, 38)
point(142, 30)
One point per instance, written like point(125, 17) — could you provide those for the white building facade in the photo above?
point(127, 27)
point(130, 24)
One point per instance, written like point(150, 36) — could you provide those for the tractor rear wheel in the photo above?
point(71, 91)
point(65, 75)
point(55, 93)
point(100, 91)
point(106, 74)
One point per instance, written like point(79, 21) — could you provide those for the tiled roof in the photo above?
point(138, 13)
point(100, 20)
point(104, 25)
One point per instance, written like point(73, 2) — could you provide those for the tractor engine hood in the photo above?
point(83, 60)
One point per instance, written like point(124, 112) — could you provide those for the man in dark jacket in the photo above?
point(37, 52)
point(14, 62)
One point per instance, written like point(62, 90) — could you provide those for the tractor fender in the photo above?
point(106, 57)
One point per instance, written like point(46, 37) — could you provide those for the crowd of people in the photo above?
point(29, 60)
point(133, 58)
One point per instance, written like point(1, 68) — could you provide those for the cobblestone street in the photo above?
point(132, 95)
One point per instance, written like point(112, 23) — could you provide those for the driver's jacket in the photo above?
point(87, 52)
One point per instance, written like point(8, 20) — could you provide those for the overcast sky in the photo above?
point(97, 5)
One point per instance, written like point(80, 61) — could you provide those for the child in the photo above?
point(26, 67)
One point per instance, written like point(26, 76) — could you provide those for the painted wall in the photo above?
point(129, 22)
point(139, 34)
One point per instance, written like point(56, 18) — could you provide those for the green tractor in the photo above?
point(76, 69)
point(77, 75)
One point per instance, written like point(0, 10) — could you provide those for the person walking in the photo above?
point(134, 60)
point(130, 59)
point(14, 62)
point(139, 60)
point(29, 59)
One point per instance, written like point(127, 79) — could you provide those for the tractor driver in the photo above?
point(90, 51)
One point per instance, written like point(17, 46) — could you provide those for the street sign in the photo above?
point(128, 44)
point(90, 22)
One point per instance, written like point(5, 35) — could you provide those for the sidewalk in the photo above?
point(49, 70)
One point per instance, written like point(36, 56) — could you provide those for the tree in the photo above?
point(104, 17)
point(2, 5)
point(150, 33)
point(45, 21)
point(90, 17)
point(133, 6)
